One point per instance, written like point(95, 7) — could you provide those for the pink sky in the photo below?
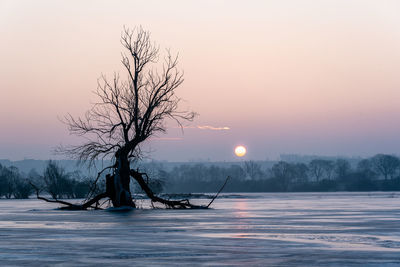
point(305, 77)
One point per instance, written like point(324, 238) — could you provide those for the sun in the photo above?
point(240, 151)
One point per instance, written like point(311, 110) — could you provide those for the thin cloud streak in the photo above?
point(207, 127)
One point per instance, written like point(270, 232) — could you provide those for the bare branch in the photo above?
point(127, 113)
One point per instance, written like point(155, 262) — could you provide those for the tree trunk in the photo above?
point(117, 186)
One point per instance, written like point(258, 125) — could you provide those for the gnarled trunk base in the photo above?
point(120, 195)
point(173, 204)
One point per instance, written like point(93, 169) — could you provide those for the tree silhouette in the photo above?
point(321, 167)
point(128, 113)
point(386, 165)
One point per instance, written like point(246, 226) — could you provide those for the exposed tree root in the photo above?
point(71, 206)
point(172, 204)
point(93, 203)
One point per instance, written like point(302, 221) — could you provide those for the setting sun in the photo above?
point(240, 151)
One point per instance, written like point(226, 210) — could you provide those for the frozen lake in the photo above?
point(294, 229)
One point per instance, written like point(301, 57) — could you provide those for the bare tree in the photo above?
point(316, 168)
point(321, 167)
point(366, 168)
point(252, 170)
point(342, 168)
point(128, 112)
point(284, 172)
point(386, 165)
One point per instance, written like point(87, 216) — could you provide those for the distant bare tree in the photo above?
point(284, 172)
point(385, 165)
point(300, 172)
point(342, 168)
point(366, 168)
point(57, 181)
point(252, 170)
point(7, 176)
point(320, 168)
point(128, 113)
point(316, 168)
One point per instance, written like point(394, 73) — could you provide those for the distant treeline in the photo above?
point(54, 181)
point(378, 173)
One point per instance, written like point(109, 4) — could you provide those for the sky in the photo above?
point(279, 77)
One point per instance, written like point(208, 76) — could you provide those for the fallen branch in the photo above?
point(173, 204)
point(68, 205)
point(212, 200)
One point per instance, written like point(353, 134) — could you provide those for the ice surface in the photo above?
point(304, 229)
